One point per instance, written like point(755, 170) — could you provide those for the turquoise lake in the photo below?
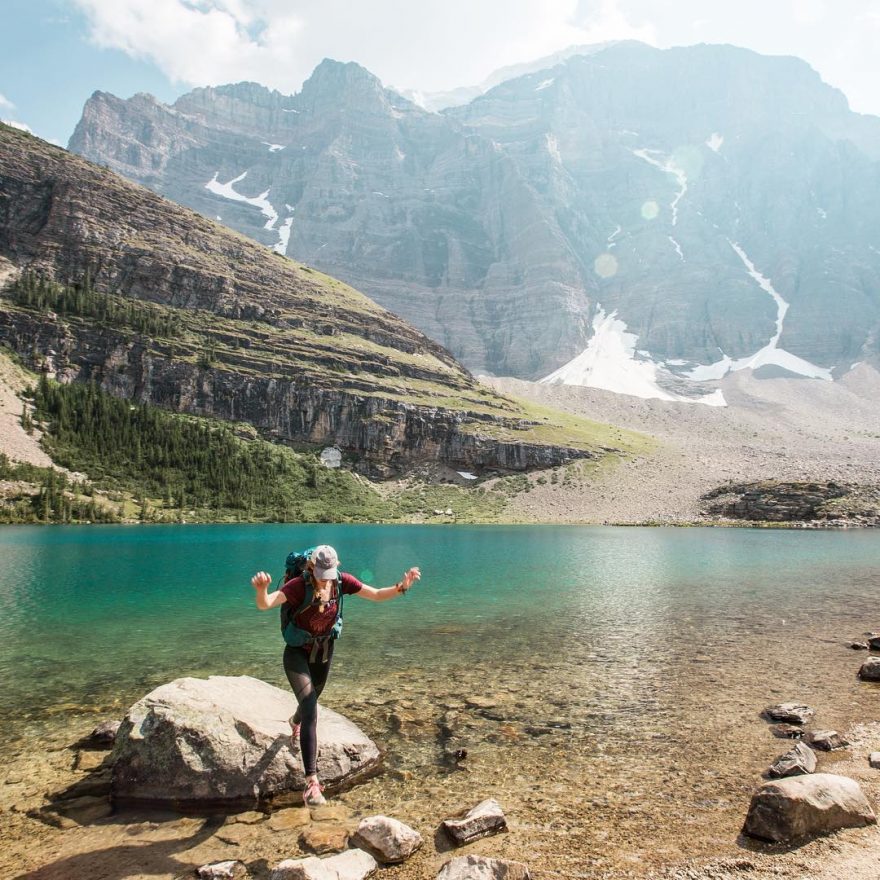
point(604, 666)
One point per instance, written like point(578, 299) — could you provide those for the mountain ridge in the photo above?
point(491, 226)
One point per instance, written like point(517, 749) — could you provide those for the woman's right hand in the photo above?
point(261, 580)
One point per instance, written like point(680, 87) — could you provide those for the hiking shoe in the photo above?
point(294, 731)
point(312, 796)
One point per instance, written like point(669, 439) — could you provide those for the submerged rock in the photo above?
point(103, 736)
point(791, 713)
point(231, 870)
point(794, 762)
point(826, 740)
point(786, 731)
point(484, 819)
point(225, 741)
point(482, 868)
point(389, 840)
point(805, 806)
point(870, 670)
point(353, 864)
point(874, 642)
point(322, 839)
point(859, 646)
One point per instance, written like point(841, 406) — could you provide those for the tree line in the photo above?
point(185, 462)
point(31, 291)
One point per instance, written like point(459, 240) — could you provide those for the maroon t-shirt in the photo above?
point(309, 618)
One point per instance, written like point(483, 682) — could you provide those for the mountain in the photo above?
point(163, 306)
point(636, 219)
point(437, 101)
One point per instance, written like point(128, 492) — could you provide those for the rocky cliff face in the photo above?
point(258, 338)
point(719, 204)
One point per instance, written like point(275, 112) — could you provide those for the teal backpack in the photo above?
point(296, 566)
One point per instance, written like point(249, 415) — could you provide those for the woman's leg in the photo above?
point(307, 681)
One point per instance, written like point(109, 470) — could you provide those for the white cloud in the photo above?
point(202, 42)
point(431, 44)
point(5, 103)
point(808, 12)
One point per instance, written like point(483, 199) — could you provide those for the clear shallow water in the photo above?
point(625, 667)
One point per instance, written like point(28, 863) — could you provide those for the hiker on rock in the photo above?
point(311, 620)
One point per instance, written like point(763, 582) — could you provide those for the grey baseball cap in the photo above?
point(325, 563)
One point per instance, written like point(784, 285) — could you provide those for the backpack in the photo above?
point(296, 566)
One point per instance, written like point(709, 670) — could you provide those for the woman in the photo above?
point(316, 598)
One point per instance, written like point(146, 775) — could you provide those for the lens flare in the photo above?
point(650, 210)
point(605, 265)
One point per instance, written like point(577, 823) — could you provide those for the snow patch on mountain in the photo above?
point(610, 362)
point(677, 247)
point(714, 141)
point(770, 354)
point(611, 242)
point(553, 148)
point(273, 148)
point(283, 236)
point(227, 191)
point(670, 167)
point(545, 85)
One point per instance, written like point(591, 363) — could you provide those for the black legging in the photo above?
point(307, 680)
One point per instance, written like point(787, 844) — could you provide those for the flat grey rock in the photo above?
point(484, 819)
point(225, 741)
point(389, 840)
point(482, 868)
point(826, 740)
point(806, 806)
point(231, 870)
point(353, 864)
point(795, 762)
point(790, 713)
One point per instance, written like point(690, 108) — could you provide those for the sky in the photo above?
point(55, 53)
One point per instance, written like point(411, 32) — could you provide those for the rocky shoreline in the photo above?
point(90, 824)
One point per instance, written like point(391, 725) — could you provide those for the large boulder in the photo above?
point(805, 806)
point(225, 741)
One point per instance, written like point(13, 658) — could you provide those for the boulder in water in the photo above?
point(482, 868)
point(389, 840)
point(790, 713)
point(795, 762)
point(484, 819)
point(225, 741)
point(870, 670)
point(230, 870)
point(805, 806)
point(353, 864)
point(826, 740)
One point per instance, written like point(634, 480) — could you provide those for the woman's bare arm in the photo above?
point(260, 582)
point(376, 595)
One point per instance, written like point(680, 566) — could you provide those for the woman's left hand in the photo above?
point(409, 578)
